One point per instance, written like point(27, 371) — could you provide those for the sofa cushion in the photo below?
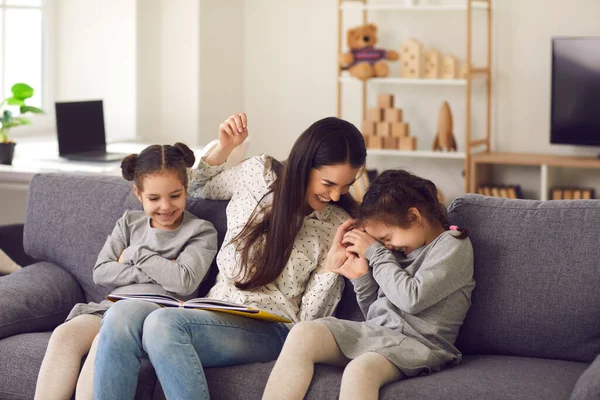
point(36, 299)
point(477, 377)
point(537, 268)
point(21, 358)
point(68, 219)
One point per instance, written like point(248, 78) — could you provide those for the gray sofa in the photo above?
point(533, 331)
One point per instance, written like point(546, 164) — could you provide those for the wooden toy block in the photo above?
point(392, 115)
point(375, 142)
point(390, 143)
point(568, 194)
point(408, 143)
point(495, 191)
point(556, 194)
point(374, 115)
point(576, 194)
point(433, 62)
point(586, 194)
point(385, 101)
point(411, 58)
point(449, 67)
point(383, 129)
point(400, 129)
point(368, 128)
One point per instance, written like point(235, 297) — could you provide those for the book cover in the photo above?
point(201, 304)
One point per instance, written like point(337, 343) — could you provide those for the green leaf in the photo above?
point(13, 101)
point(31, 109)
point(23, 121)
point(22, 91)
point(15, 122)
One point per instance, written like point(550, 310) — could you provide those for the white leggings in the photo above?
point(311, 342)
point(59, 373)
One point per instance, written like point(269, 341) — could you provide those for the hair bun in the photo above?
point(188, 155)
point(128, 166)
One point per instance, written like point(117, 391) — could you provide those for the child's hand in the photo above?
point(122, 257)
point(358, 241)
point(233, 131)
point(337, 253)
point(354, 267)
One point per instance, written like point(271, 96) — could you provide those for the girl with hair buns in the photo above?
point(162, 249)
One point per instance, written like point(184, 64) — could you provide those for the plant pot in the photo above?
point(7, 150)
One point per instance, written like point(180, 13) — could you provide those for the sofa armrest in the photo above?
point(36, 299)
point(588, 384)
point(11, 242)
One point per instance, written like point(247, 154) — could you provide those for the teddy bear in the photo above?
point(364, 61)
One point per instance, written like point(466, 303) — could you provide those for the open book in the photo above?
point(201, 304)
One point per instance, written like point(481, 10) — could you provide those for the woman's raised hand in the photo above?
point(233, 131)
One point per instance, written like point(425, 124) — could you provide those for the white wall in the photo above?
point(289, 71)
point(221, 64)
point(94, 58)
point(168, 45)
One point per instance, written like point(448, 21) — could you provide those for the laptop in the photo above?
point(80, 131)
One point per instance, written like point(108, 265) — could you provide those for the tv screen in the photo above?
point(575, 103)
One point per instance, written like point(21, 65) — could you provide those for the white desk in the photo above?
point(40, 155)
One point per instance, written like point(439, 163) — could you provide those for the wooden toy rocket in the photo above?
point(444, 140)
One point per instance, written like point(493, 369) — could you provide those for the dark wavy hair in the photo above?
point(158, 158)
point(266, 242)
point(394, 192)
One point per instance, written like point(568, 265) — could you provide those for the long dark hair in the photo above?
point(158, 158)
point(266, 242)
point(394, 192)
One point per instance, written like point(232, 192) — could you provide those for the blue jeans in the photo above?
point(179, 343)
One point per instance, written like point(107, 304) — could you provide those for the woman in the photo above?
point(277, 255)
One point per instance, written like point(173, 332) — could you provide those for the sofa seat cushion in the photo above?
point(21, 358)
point(477, 377)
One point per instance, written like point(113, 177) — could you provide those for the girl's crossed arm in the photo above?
point(183, 275)
point(108, 271)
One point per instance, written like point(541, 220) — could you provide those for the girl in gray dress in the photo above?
point(413, 278)
point(162, 249)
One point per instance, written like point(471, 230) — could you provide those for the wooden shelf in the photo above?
point(548, 164)
point(450, 155)
point(536, 160)
point(350, 6)
point(405, 81)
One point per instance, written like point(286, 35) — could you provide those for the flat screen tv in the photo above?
point(575, 103)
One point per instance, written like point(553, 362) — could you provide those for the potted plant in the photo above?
point(10, 118)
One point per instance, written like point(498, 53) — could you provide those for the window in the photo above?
point(21, 47)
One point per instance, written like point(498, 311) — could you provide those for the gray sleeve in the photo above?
point(365, 288)
point(447, 268)
point(183, 275)
point(108, 271)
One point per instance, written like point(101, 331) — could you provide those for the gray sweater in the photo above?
point(155, 261)
point(425, 295)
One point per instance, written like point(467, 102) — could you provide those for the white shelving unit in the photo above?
point(405, 81)
point(446, 155)
point(474, 72)
point(483, 5)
